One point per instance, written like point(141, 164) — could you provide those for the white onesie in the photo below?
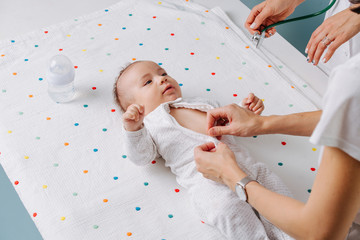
point(216, 204)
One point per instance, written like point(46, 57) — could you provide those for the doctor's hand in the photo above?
point(269, 12)
point(218, 164)
point(331, 34)
point(133, 117)
point(240, 121)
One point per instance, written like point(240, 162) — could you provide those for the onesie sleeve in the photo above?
point(140, 147)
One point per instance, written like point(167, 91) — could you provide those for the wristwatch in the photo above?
point(240, 187)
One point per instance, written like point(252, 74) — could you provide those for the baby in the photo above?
point(158, 122)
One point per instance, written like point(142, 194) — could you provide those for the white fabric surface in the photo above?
point(67, 161)
point(215, 203)
point(339, 125)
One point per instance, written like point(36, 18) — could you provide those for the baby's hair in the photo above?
point(118, 94)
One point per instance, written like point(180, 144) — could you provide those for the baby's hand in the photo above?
point(253, 103)
point(133, 117)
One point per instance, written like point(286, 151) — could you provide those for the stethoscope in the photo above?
point(257, 38)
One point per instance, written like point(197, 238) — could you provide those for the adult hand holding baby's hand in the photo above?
point(133, 117)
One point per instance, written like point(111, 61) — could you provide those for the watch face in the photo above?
point(240, 192)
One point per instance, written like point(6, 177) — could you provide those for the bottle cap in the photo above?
point(61, 70)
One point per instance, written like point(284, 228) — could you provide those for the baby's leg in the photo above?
point(218, 206)
point(269, 180)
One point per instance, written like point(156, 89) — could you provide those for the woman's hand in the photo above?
point(331, 34)
point(241, 122)
point(269, 12)
point(218, 164)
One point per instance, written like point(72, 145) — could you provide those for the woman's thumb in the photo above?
point(260, 19)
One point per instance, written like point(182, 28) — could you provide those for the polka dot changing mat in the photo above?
point(66, 161)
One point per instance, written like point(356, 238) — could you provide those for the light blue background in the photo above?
point(16, 223)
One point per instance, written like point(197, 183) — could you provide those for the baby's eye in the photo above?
point(164, 74)
point(148, 82)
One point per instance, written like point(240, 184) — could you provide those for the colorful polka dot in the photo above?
point(137, 208)
point(217, 58)
point(85, 105)
point(36, 45)
point(4, 90)
point(26, 157)
point(66, 144)
point(254, 136)
point(247, 47)
point(48, 118)
point(68, 35)
point(116, 178)
point(30, 96)
point(16, 182)
point(186, 69)
point(95, 150)
point(304, 86)
point(166, 49)
point(170, 216)
point(130, 14)
point(40, 79)
point(309, 190)
point(314, 149)
point(177, 190)
point(105, 200)
point(95, 226)
point(44, 186)
point(55, 164)
point(240, 78)
point(280, 164)
point(235, 95)
point(124, 156)
point(148, 29)
point(269, 66)
point(14, 73)
point(99, 24)
point(180, 84)
point(104, 129)
point(76, 124)
point(85, 171)
point(192, 53)
point(34, 214)
point(9, 131)
point(266, 83)
point(153, 162)
point(74, 194)
point(62, 218)
point(146, 184)
point(26, 59)
point(208, 89)
point(178, 18)
point(37, 138)
point(129, 234)
point(213, 73)
point(312, 169)
point(124, 28)
point(283, 143)
point(291, 105)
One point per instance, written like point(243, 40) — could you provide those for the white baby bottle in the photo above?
point(60, 78)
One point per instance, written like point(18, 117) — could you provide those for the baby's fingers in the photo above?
point(259, 107)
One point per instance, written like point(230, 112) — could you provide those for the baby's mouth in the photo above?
point(167, 89)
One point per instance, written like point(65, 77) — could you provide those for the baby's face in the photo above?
point(149, 85)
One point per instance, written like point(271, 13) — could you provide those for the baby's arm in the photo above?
point(253, 103)
point(140, 147)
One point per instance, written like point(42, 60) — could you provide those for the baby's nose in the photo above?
point(163, 79)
